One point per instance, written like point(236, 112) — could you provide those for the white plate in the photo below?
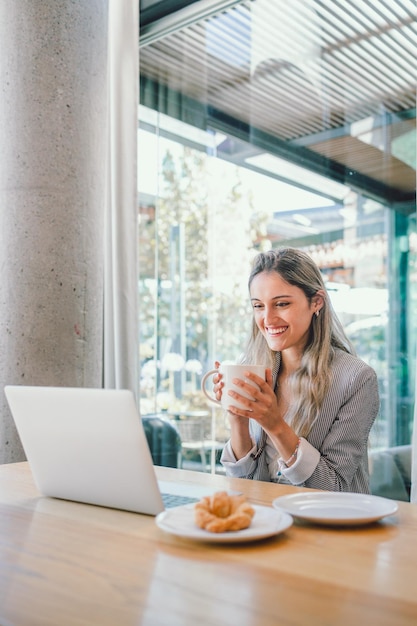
point(334, 508)
point(265, 523)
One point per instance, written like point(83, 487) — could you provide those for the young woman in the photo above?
point(310, 420)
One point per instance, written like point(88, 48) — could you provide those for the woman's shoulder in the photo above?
point(349, 374)
point(350, 363)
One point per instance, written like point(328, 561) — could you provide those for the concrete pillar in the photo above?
point(53, 67)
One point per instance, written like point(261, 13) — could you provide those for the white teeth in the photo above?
point(276, 331)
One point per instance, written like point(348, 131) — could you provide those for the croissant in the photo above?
point(221, 512)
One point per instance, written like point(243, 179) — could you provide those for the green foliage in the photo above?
point(189, 241)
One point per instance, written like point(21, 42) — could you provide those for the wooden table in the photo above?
point(64, 563)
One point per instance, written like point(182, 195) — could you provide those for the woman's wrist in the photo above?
point(240, 438)
point(287, 443)
point(292, 459)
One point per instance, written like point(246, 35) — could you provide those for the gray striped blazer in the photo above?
point(340, 432)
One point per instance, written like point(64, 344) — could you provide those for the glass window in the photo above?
point(247, 144)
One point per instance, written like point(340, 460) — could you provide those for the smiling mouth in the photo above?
point(274, 332)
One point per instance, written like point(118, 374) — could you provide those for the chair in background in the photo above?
point(390, 472)
point(195, 437)
point(163, 439)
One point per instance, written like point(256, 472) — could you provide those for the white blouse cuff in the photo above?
point(228, 457)
point(307, 460)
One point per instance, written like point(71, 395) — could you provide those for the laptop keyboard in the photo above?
point(171, 499)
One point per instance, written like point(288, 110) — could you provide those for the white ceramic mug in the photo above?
point(230, 372)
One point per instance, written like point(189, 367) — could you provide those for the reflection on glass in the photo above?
point(306, 140)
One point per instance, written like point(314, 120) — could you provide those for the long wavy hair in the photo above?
point(309, 384)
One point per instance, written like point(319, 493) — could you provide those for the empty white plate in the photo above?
point(335, 508)
point(266, 522)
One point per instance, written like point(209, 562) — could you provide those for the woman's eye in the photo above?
point(258, 306)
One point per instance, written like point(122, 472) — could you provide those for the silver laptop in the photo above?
point(88, 445)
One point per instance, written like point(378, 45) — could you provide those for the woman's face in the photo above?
point(282, 312)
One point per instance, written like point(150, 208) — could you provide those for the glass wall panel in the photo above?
point(248, 142)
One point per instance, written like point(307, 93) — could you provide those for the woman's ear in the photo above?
point(318, 300)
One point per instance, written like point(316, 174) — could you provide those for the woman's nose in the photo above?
point(270, 314)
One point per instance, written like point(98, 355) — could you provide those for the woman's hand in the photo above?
point(263, 408)
point(218, 382)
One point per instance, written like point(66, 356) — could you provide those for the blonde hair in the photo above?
point(309, 384)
